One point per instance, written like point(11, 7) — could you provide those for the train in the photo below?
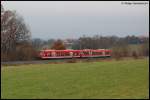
point(86, 53)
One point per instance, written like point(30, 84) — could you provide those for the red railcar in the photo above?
point(47, 54)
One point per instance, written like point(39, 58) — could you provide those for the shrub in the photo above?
point(72, 61)
point(25, 52)
point(135, 55)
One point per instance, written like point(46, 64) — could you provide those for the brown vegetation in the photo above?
point(58, 45)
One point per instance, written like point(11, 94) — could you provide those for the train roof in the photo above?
point(48, 50)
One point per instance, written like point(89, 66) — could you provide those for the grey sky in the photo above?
point(72, 19)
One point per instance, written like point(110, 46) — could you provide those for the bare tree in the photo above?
point(13, 31)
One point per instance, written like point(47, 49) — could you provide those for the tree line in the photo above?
point(129, 46)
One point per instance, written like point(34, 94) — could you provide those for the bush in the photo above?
point(26, 52)
point(135, 55)
point(23, 51)
point(116, 53)
point(4, 57)
point(8, 56)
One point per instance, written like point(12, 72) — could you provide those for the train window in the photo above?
point(100, 53)
point(86, 53)
point(97, 53)
point(90, 53)
point(103, 53)
point(81, 53)
point(76, 54)
point(48, 54)
point(71, 53)
point(107, 53)
point(67, 54)
point(58, 53)
point(53, 54)
point(94, 53)
point(62, 54)
point(45, 54)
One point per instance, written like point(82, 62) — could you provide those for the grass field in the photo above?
point(106, 79)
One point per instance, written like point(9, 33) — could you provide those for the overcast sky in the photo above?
point(72, 19)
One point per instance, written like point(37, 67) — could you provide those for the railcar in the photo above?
point(55, 54)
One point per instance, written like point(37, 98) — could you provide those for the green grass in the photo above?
point(110, 79)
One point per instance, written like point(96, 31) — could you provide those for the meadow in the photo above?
point(124, 79)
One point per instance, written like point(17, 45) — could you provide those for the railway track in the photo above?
point(70, 60)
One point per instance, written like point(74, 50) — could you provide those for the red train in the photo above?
point(47, 54)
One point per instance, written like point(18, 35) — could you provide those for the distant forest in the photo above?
point(95, 42)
